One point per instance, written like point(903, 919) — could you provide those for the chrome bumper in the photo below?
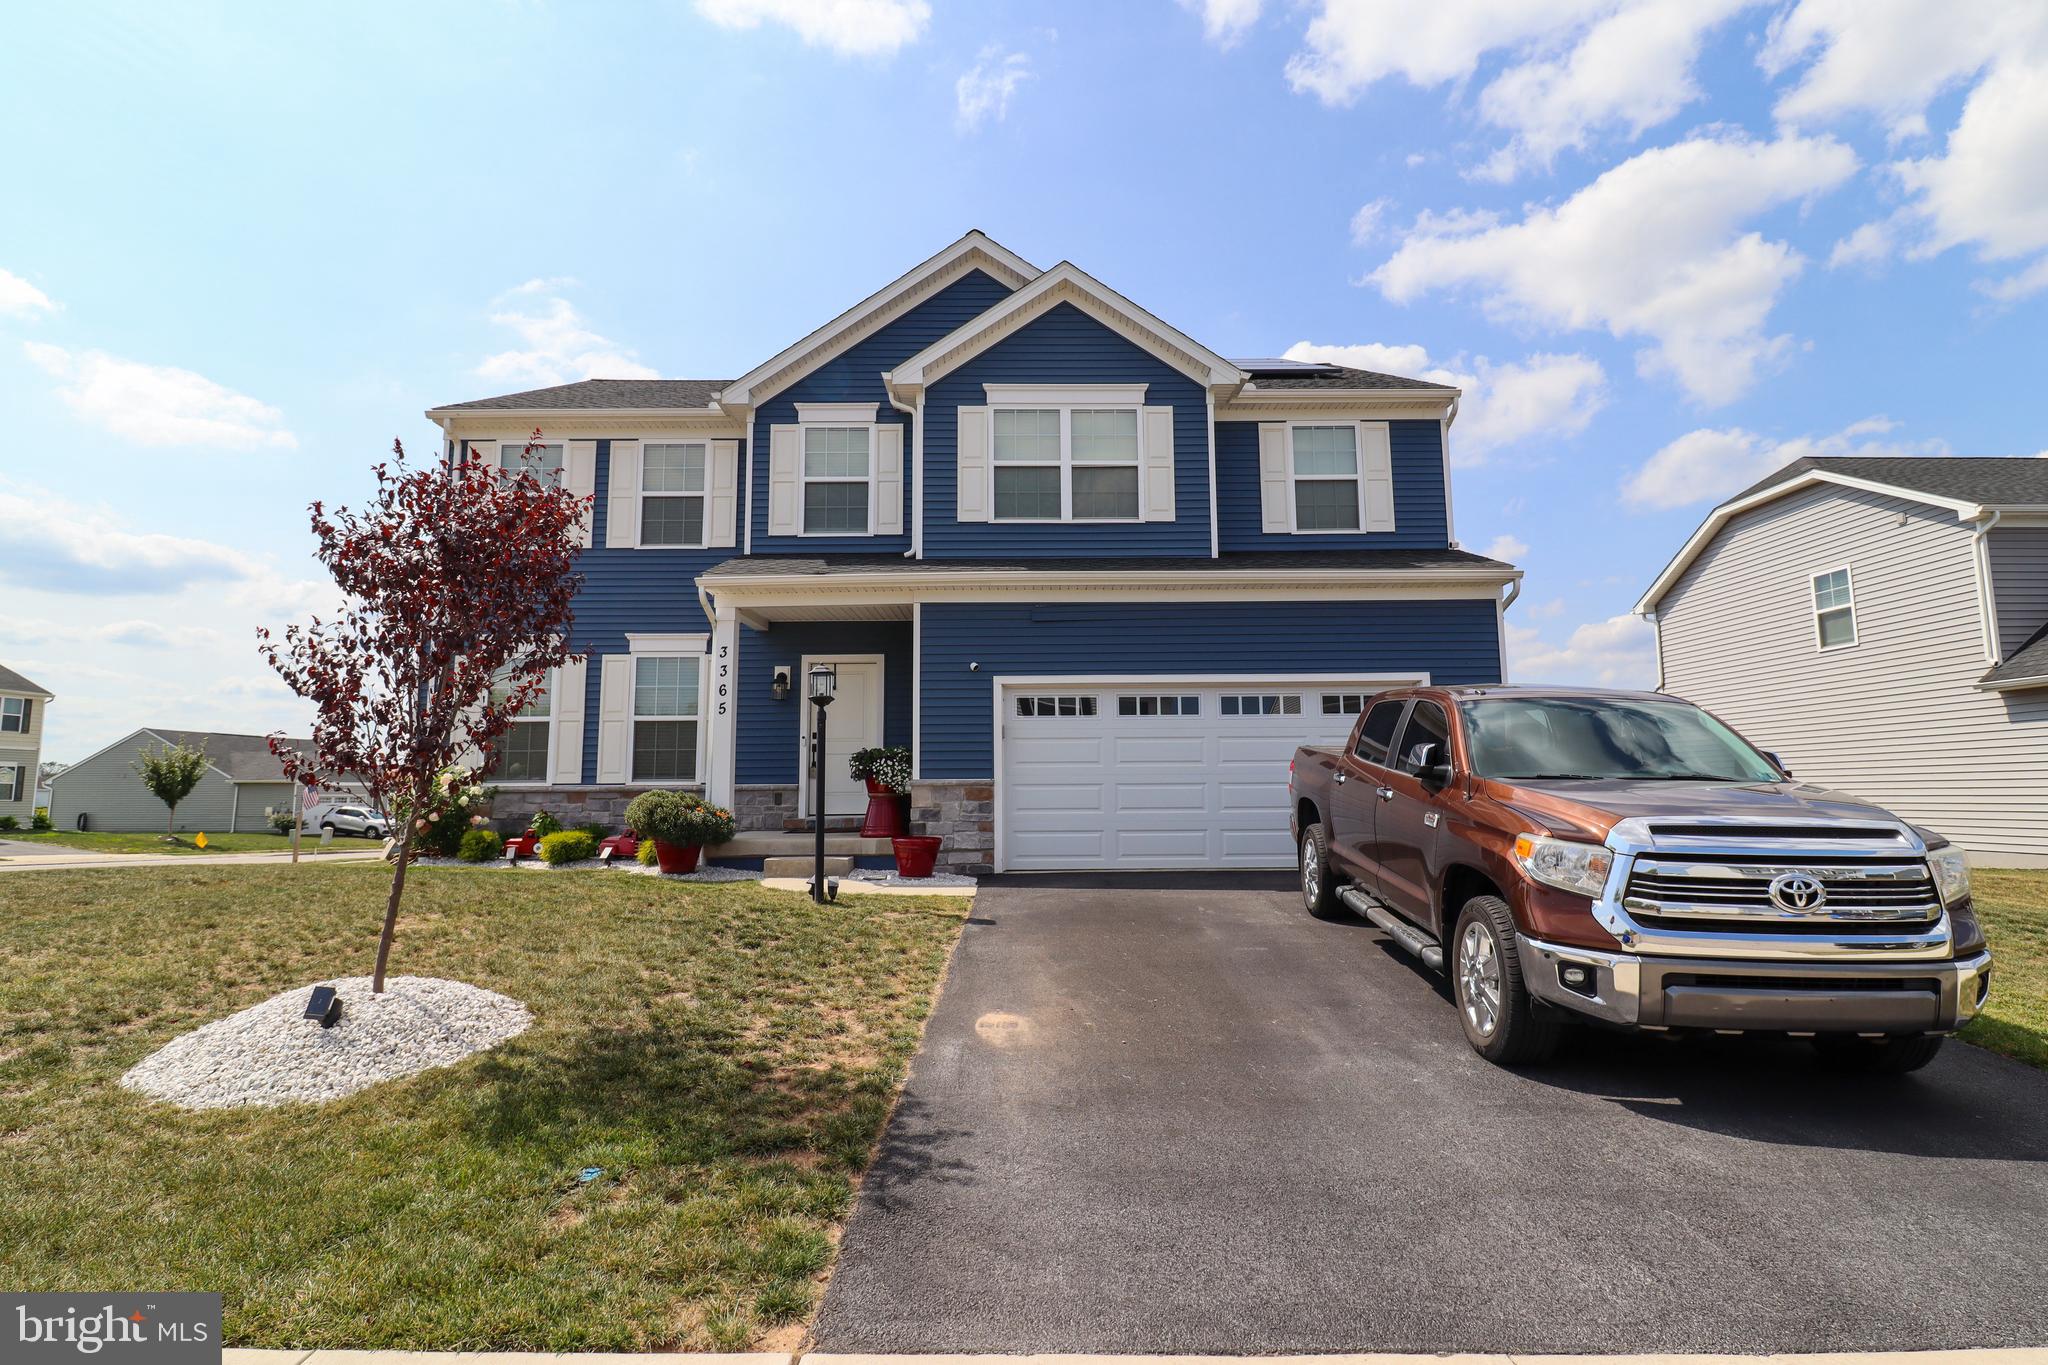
point(1742, 994)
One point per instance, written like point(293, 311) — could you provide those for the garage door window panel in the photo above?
point(1056, 706)
point(1159, 706)
point(1261, 704)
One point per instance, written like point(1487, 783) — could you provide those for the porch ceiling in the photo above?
point(829, 611)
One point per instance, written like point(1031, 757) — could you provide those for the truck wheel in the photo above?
point(1317, 891)
point(1878, 1056)
point(1486, 979)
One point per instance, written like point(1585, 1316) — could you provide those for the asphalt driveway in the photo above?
point(1159, 1118)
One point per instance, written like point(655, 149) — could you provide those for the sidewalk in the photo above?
point(47, 858)
point(2030, 1356)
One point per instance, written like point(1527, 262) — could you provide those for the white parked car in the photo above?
point(355, 820)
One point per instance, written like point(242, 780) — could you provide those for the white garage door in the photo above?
point(1164, 775)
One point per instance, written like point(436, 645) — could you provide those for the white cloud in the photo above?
point(159, 405)
point(1225, 21)
point(984, 89)
point(849, 28)
point(1986, 189)
point(1507, 547)
point(1365, 224)
point(1867, 245)
point(19, 298)
point(1576, 68)
point(1650, 249)
point(1709, 464)
point(59, 546)
point(559, 346)
point(137, 633)
point(1618, 652)
point(1540, 395)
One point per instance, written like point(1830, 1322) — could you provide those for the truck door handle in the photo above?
point(1386, 793)
point(1340, 779)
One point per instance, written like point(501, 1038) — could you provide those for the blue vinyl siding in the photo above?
point(1420, 518)
point(1454, 641)
point(1066, 346)
point(855, 376)
point(767, 728)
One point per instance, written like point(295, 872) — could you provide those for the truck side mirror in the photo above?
point(1432, 766)
point(1777, 763)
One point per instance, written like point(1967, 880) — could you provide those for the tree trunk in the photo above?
point(171, 824)
point(391, 907)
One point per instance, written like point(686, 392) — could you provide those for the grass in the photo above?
point(725, 1053)
point(2014, 908)
point(101, 841)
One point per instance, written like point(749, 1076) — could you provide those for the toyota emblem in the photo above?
point(1798, 891)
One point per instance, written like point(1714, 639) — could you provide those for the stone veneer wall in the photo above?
point(767, 807)
point(573, 806)
point(963, 815)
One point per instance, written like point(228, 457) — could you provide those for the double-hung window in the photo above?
point(543, 461)
point(1066, 464)
point(1328, 492)
point(1834, 609)
point(665, 718)
point(672, 492)
point(521, 753)
point(838, 465)
point(14, 714)
point(11, 780)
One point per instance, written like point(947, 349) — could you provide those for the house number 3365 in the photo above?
point(724, 675)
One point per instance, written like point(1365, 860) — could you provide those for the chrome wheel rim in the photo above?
point(1311, 873)
point(1479, 979)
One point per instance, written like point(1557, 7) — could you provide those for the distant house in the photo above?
point(243, 780)
point(21, 742)
point(1882, 624)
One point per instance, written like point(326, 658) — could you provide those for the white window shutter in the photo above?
point(568, 707)
point(579, 477)
point(1275, 516)
point(971, 492)
point(889, 479)
point(622, 500)
point(1376, 463)
point(723, 521)
point(614, 717)
point(785, 456)
point(1155, 492)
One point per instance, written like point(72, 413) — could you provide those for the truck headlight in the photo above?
point(1568, 866)
point(1951, 874)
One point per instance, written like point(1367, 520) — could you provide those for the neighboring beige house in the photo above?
point(21, 743)
point(1881, 624)
point(243, 780)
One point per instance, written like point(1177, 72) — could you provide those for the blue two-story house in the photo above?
point(1098, 578)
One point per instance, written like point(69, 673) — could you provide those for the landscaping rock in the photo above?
point(880, 876)
point(269, 1054)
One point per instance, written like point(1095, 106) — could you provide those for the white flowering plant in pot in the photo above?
point(888, 768)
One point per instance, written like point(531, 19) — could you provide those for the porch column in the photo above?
point(721, 749)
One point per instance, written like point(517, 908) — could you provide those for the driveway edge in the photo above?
point(240, 1356)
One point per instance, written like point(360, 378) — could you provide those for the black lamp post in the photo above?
point(824, 682)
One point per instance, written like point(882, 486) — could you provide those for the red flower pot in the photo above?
point(884, 819)
point(676, 858)
point(915, 855)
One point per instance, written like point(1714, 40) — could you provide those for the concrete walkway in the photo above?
point(16, 856)
point(2027, 1356)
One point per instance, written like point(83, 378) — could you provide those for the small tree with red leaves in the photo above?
point(458, 581)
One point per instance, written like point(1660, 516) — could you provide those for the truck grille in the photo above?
point(1854, 893)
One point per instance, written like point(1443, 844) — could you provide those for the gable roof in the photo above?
point(1972, 487)
point(589, 395)
point(1065, 283)
point(975, 251)
point(238, 758)
point(2028, 666)
point(10, 681)
point(1294, 376)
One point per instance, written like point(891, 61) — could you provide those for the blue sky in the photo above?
point(1665, 244)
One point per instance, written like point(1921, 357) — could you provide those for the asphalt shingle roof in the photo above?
point(1332, 377)
point(2030, 660)
point(588, 394)
point(245, 758)
point(805, 566)
point(1992, 479)
point(10, 681)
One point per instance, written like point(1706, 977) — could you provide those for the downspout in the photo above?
point(1209, 398)
point(1987, 599)
point(1443, 442)
point(704, 602)
point(1500, 622)
point(916, 415)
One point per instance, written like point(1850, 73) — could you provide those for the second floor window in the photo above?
point(544, 462)
point(672, 479)
point(1066, 464)
point(14, 714)
point(1834, 609)
point(838, 462)
point(1325, 478)
point(521, 753)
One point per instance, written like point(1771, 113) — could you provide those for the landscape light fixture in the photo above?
point(324, 1005)
point(824, 682)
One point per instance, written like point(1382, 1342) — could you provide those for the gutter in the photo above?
point(916, 416)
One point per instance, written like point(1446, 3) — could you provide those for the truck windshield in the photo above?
point(1528, 739)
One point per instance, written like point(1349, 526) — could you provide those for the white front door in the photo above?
point(855, 723)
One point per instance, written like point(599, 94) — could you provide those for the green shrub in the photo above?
point(543, 824)
point(567, 846)
point(480, 846)
point(9, 822)
point(443, 836)
point(596, 831)
point(281, 821)
point(680, 818)
point(41, 819)
point(647, 857)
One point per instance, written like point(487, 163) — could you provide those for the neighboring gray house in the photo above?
point(1882, 625)
point(243, 778)
point(21, 742)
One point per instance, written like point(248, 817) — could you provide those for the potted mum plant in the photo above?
point(679, 824)
point(887, 773)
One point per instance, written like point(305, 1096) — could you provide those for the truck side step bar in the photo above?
point(1400, 930)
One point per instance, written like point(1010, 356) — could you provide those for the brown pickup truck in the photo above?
point(1625, 858)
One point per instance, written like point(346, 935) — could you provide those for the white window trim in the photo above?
point(19, 704)
point(517, 444)
point(633, 716)
point(1065, 395)
point(1813, 603)
point(18, 770)
point(548, 766)
point(807, 419)
point(702, 542)
point(1066, 408)
point(1357, 477)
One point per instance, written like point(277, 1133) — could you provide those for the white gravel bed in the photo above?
point(706, 872)
point(889, 877)
point(269, 1054)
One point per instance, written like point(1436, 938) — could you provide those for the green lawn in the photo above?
point(726, 1054)
point(99, 841)
point(2014, 908)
